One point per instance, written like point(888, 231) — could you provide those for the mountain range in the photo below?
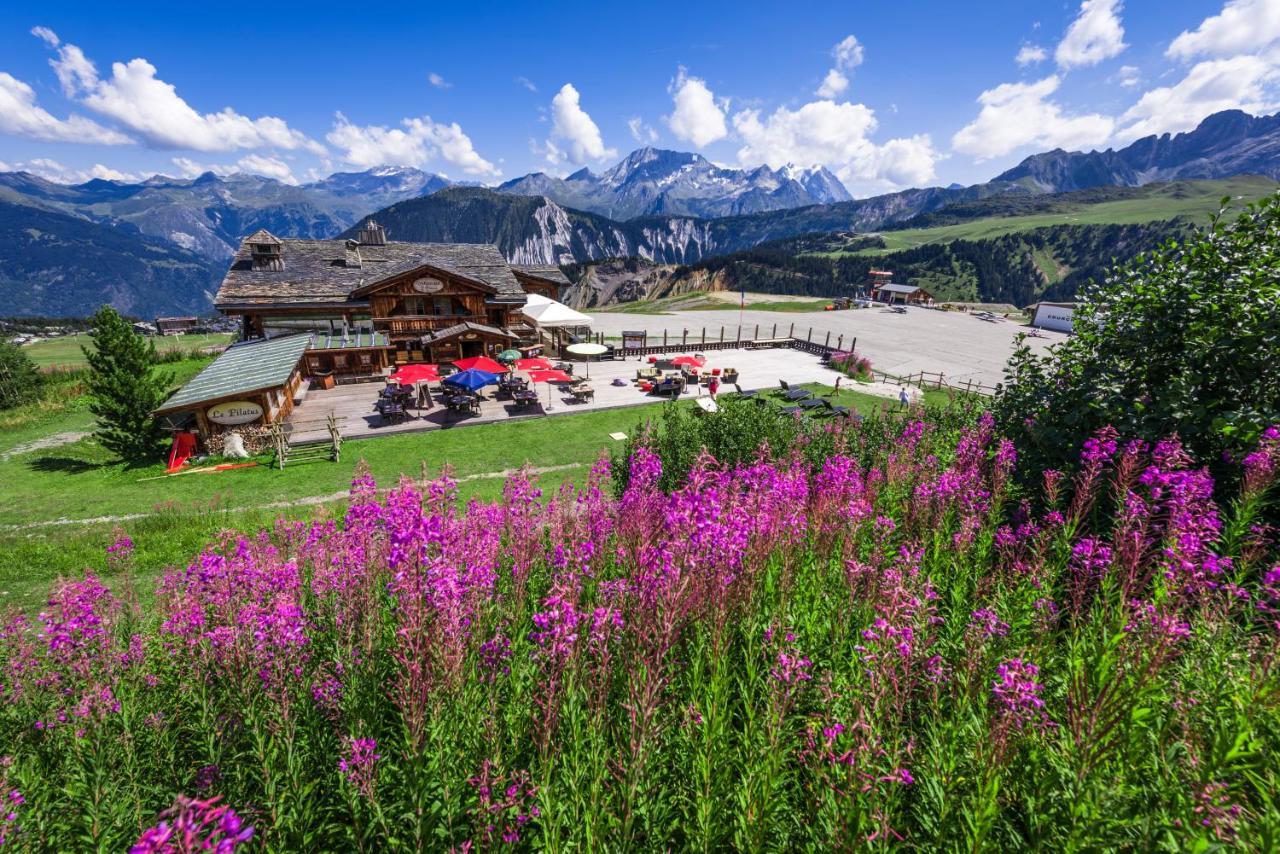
point(662, 206)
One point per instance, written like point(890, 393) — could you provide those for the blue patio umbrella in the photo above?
point(472, 379)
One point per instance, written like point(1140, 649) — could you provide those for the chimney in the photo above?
point(266, 251)
point(372, 234)
point(353, 254)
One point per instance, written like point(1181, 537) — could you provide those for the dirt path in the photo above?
point(306, 501)
point(43, 444)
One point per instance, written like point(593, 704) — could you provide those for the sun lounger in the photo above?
point(798, 394)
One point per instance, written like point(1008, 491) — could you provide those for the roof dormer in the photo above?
point(266, 250)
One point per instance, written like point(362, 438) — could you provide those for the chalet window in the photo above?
point(445, 306)
point(411, 306)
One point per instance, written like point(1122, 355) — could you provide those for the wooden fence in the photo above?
point(776, 335)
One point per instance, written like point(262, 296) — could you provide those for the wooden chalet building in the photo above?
point(433, 302)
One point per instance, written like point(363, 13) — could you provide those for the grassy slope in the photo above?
point(1164, 203)
point(66, 352)
point(80, 481)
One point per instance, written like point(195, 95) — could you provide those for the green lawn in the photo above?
point(797, 305)
point(77, 484)
point(1193, 199)
point(66, 352)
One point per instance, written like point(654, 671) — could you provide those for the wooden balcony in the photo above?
point(417, 324)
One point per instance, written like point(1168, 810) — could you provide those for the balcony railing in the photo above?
point(417, 323)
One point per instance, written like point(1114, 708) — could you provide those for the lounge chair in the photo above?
point(798, 394)
point(811, 403)
point(834, 409)
point(743, 394)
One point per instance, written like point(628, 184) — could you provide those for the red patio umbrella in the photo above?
point(549, 377)
point(535, 364)
point(410, 374)
point(482, 363)
point(691, 361)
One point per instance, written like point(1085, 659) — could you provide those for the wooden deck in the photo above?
point(352, 405)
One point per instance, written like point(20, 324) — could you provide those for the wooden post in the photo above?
point(827, 342)
point(739, 338)
point(704, 336)
point(853, 345)
point(775, 331)
point(721, 334)
point(664, 338)
point(840, 343)
point(684, 338)
point(809, 338)
point(792, 333)
point(756, 337)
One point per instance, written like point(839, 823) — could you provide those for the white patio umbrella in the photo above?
point(586, 349)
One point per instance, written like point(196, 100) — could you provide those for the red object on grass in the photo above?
point(535, 364)
point(550, 377)
point(184, 445)
point(410, 374)
point(483, 363)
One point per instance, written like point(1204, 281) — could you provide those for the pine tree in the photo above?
point(123, 388)
point(19, 380)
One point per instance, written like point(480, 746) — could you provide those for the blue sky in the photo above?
point(887, 95)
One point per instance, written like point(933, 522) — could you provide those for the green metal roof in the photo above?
point(329, 341)
point(242, 368)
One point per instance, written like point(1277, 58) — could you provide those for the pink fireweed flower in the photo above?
point(194, 825)
point(987, 625)
point(357, 762)
point(1217, 812)
point(1261, 465)
point(506, 803)
point(1017, 694)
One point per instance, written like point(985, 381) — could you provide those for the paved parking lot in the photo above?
point(959, 345)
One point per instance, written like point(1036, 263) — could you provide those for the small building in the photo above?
point(251, 383)
point(906, 294)
point(1059, 316)
point(176, 325)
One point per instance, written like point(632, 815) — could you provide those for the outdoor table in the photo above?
point(525, 397)
point(583, 392)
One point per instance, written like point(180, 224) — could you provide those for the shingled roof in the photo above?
point(460, 328)
point(548, 273)
point(316, 272)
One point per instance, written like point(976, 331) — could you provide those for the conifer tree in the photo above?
point(19, 380)
point(123, 388)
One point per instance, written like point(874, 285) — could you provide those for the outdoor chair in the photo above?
point(811, 403)
point(790, 410)
point(742, 394)
point(796, 394)
point(834, 409)
point(783, 386)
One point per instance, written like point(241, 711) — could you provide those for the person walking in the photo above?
point(904, 400)
point(713, 386)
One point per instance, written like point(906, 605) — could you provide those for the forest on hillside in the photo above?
point(1045, 263)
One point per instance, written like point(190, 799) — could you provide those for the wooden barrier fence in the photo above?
point(807, 341)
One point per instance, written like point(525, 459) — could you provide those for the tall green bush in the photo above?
point(19, 380)
point(1182, 340)
point(124, 388)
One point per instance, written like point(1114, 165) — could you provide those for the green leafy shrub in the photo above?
point(19, 381)
point(1182, 340)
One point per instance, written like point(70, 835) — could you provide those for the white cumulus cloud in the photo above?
point(641, 131)
point(52, 170)
point(1096, 34)
point(136, 99)
point(1015, 115)
point(415, 142)
point(571, 125)
point(20, 115)
point(848, 56)
point(835, 135)
point(1031, 54)
point(1243, 26)
point(1242, 82)
point(439, 82)
point(697, 116)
